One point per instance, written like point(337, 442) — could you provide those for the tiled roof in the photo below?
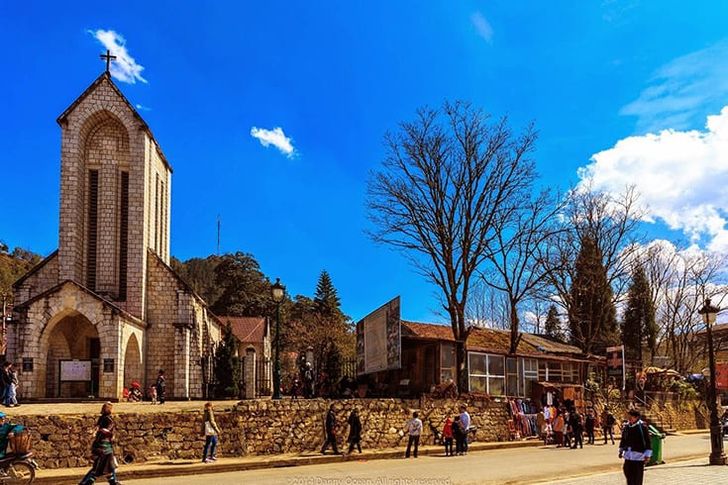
point(489, 339)
point(249, 330)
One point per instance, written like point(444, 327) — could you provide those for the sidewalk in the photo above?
point(63, 476)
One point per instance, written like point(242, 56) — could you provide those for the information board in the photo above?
point(378, 339)
point(615, 364)
point(75, 370)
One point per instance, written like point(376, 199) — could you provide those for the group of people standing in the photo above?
point(566, 427)
point(456, 430)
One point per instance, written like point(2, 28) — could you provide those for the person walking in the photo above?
point(567, 429)
point(447, 437)
point(330, 430)
point(589, 425)
point(635, 448)
point(161, 386)
point(211, 431)
point(102, 448)
point(465, 424)
point(354, 431)
point(414, 430)
point(11, 399)
point(558, 428)
point(577, 429)
point(608, 422)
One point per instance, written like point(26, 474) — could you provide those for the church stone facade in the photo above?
point(108, 294)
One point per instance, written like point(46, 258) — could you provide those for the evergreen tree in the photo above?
point(592, 315)
point(638, 325)
point(227, 365)
point(552, 327)
point(244, 289)
point(326, 297)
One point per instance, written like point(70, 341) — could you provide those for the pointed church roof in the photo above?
point(92, 294)
point(92, 87)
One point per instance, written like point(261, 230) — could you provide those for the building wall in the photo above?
point(29, 336)
point(44, 278)
point(180, 332)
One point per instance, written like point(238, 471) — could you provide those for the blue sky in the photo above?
point(597, 78)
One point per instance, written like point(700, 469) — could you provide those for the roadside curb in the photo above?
point(71, 476)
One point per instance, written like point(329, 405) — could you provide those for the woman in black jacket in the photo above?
point(354, 431)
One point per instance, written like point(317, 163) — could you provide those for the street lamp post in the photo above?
point(717, 456)
point(277, 292)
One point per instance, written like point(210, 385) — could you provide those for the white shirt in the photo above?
point(414, 427)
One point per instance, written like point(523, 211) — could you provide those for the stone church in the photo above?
point(106, 309)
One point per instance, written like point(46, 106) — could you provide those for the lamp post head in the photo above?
point(709, 312)
point(278, 291)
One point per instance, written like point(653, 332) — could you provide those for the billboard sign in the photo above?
point(721, 376)
point(615, 364)
point(378, 339)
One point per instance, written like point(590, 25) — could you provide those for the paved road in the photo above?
point(517, 466)
point(689, 472)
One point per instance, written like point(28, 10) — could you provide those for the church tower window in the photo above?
point(123, 233)
point(91, 246)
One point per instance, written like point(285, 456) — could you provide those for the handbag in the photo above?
point(209, 429)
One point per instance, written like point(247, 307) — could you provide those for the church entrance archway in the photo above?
point(132, 362)
point(72, 337)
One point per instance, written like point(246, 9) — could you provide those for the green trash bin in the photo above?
point(656, 439)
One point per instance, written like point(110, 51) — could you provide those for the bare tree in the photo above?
point(693, 278)
point(447, 182)
point(607, 220)
point(514, 267)
point(487, 307)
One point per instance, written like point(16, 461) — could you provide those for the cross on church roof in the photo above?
point(108, 58)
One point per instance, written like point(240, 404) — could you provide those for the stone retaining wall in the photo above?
point(253, 427)
point(683, 415)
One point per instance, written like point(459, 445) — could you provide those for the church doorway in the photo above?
point(72, 337)
point(133, 363)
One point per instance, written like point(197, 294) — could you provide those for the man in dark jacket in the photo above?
point(635, 448)
point(577, 429)
point(354, 431)
point(330, 429)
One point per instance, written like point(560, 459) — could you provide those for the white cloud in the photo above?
point(682, 90)
point(680, 176)
point(141, 107)
point(124, 67)
point(275, 137)
point(482, 26)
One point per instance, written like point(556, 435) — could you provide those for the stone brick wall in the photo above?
point(44, 278)
point(683, 415)
point(253, 427)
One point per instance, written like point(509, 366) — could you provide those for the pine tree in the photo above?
point(227, 365)
point(326, 297)
point(552, 327)
point(638, 325)
point(592, 315)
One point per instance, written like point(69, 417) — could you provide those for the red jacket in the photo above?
point(447, 430)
